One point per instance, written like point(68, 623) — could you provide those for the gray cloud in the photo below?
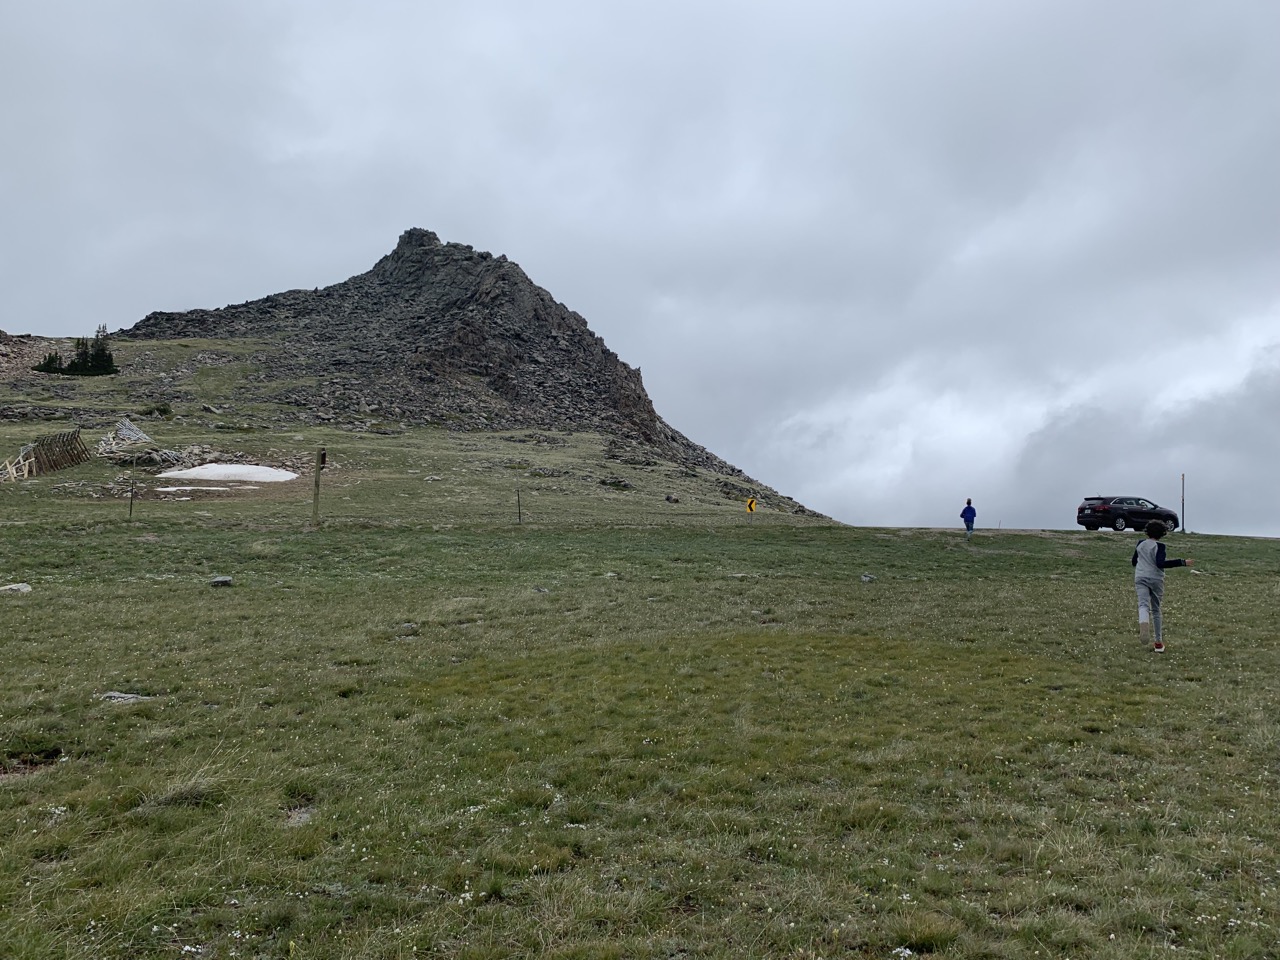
point(883, 255)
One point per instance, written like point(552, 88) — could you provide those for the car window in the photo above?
point(1146, 504)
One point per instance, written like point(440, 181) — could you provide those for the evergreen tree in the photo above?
point(100, 359)
point(79, 365)
point(52, 363)
point(92, 358)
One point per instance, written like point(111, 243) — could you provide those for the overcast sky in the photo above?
point(882, 255)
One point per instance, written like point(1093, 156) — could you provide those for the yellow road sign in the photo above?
point(751, 505)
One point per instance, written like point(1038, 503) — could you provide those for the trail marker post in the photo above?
point(315, 499)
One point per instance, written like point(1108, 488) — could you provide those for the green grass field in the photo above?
point(622, 727)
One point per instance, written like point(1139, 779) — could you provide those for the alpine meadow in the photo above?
point(537, 684)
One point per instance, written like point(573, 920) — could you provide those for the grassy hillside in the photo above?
point(624, 727)
point(226, 393)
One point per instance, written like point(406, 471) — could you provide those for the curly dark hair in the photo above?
point(1156, 529)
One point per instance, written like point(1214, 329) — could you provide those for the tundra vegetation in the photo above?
point(625, 726)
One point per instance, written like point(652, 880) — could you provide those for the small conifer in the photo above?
point(92, 358)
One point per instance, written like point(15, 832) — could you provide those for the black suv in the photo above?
point(1118, 513)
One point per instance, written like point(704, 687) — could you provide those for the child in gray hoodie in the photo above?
point(1149, 565)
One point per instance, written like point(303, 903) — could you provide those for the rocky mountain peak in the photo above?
point(439, 333)
point(414, 253)
point(416, 237)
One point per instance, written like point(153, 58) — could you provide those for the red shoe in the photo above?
point(1157, 647)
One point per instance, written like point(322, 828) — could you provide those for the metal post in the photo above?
point(1184, 503)
point(519, 515)
point(131, 499)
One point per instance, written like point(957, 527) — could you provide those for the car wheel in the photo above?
point(1120, 523)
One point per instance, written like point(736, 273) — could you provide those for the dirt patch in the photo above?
point(22, 765)
point(10, 774)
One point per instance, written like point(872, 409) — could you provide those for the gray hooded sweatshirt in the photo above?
point(1149, 561)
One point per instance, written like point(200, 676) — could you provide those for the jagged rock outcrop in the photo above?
point(18, 352)
point(439, 333)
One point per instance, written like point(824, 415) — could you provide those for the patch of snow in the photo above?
point(231, 471)
point(181, 489)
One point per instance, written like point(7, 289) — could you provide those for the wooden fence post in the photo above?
point(315, 500)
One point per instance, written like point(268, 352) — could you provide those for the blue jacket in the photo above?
point(968, 514)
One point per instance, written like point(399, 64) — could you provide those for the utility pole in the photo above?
point(1184, 503)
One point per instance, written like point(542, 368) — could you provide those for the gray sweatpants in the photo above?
point(1150, 595)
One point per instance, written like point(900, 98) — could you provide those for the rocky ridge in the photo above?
point(18, 350)
point(438, 333)
point(435, 333)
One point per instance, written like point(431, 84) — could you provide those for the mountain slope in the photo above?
point(440, 333)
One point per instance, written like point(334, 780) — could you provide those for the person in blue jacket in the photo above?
point(1149, 565)
point(968, 515)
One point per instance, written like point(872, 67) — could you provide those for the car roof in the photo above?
point(1123, 496)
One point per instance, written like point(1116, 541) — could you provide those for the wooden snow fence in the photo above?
point(20, 467)
point(47, 455)
point(128, 446)
point(125, 436)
